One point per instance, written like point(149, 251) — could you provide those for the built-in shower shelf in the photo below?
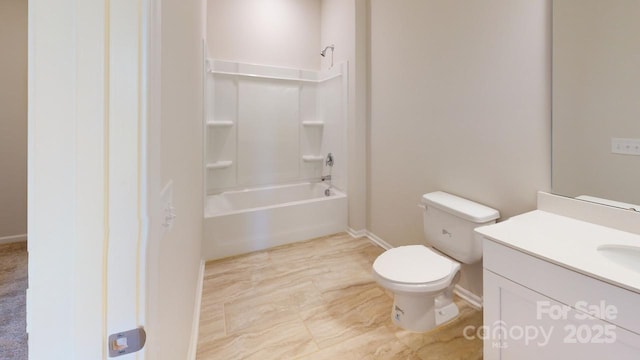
point(220, 123)
point(313, 123)
point(312, 158)
point(220, 164)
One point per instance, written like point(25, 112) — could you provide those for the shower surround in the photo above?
point(267, 127)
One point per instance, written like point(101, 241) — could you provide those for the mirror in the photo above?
point(596, 100)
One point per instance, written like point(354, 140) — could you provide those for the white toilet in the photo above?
point(422, 279)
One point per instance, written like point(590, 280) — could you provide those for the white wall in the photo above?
point(176, 259)
point(596, 87)
point(339, 26)
point(13, 120)
point(88, 222)
point(51, 182)
point(459, 103)
point(269, 32)
point(85, 212)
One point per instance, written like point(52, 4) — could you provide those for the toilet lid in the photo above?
point(412, 264)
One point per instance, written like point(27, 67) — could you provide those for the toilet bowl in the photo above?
point(422, 282)
point(421, 278)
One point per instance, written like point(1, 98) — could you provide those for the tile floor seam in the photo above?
point(224, 319)
point(313, 338)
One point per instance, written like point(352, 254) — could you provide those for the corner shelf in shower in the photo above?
point(219, 165)
point(313, 158)
point(220, 123)
point(313, 123)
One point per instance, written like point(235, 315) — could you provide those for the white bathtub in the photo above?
point(238, 222)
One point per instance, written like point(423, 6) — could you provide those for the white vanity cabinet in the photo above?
point(538, 308)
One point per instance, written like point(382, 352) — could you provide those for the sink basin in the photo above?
point(623, 255)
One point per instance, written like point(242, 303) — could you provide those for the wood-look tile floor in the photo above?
point(315, 300)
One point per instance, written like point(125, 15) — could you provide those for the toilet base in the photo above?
point(422, 312)
point(446, 313)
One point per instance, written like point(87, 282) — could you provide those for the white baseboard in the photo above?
point(378, 241)
point(357, 233)
point(371, 236)
point(195, 328)
point(466, 295)
point(13, 239)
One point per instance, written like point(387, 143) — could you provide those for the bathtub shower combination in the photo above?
point(269, 180)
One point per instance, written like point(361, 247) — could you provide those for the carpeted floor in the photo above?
point(13, 286)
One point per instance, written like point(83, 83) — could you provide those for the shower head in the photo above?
point(323, 53)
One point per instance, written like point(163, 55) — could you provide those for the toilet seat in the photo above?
point(414, 268)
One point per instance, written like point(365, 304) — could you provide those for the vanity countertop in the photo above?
point(569, 243)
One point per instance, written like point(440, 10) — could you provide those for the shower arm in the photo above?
point(323, 53)
point(331, 66)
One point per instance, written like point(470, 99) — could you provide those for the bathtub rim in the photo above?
point(337, 194)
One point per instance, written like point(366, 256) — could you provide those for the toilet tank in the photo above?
point(449, 221)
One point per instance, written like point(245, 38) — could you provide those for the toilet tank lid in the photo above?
point(463, 208)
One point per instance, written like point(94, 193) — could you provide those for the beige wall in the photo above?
point(596, 87)
point(460, 102)
point(267, 32)
point(13, 119)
